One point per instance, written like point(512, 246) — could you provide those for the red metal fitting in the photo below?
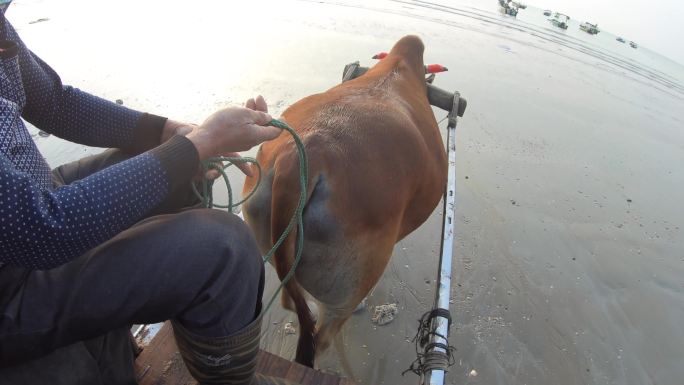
point(435, 68)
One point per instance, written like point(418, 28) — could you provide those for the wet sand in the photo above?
point(569, 260)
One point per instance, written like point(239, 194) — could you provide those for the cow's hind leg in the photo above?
point(286, 301)
point(305, 344)
point(288, 304)
point(356, 278)
point(329, 323)
point(295, 295)
point(344, 360)
point(328, 328)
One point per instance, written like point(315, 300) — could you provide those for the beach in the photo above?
point(568, 265)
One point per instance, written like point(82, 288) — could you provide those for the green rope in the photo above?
point(222, 163)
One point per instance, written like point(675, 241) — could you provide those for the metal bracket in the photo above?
point(454, 113)
point(350, 71)
point(451, 102)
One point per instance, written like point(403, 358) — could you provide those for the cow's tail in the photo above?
point(286, 195)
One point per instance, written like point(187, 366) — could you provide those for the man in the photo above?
point(94, 246)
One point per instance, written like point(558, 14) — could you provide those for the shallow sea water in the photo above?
point(569, 259)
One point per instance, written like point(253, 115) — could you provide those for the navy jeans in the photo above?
point(70, 324)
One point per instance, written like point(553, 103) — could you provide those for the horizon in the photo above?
point(652, 25)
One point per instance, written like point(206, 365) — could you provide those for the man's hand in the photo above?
point(173, 127)
point(234, 129)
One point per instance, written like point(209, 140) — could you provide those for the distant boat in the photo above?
point(547, 12)
point(620, 39)
point(560, 20)
point(589, 28)
point(509, 7)
point(519, 5)
point(511, 11)
point(632, 44)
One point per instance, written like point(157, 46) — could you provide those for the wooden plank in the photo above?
point(296, 373)
point(272, 365)
point(328, 380)
point(310, 377)
point(160, 363)
point(346, 381)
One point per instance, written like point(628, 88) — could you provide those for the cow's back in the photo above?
point(376, 140)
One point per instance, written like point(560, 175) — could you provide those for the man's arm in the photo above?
point(43, 229)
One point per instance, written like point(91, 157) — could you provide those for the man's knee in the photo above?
point(73, 171)
point(225, 239)
point(229, 265)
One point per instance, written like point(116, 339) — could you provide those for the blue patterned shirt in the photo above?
point(41, 226)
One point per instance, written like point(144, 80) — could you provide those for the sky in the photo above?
point(655, 24)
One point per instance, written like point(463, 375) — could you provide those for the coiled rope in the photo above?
point(206, 197)
point(427, 358)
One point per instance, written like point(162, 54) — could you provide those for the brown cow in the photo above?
point(377, 169)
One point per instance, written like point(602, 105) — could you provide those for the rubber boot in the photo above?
point(227, 360)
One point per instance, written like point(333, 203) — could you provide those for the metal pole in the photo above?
point(440, 324)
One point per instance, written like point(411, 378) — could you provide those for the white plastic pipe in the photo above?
point(441, 324)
